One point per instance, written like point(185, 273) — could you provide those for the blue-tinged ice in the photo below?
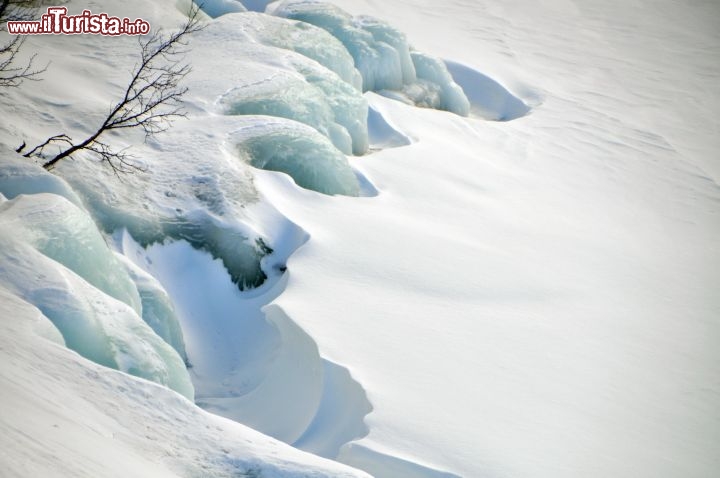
point(188, 190)
point(278, 81)
point(309, 100)
point(302, 153)
point(301, 37)
point(256, 5)
point(434, 88)
point(157, 308)
point(20, 176)
point(379, 62)
point(383, 33)
point(71, 238)
point(383, 56)
point(41, 239)
point(216, 8)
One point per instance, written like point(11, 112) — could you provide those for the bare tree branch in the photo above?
point(37, 150)
point(151, 100)
point(12, 71)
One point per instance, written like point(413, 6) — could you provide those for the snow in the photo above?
point(202, 203)
point(488, 99)
point(527, 291)
point(71, 417)
point(246, 361)
point(383, 134)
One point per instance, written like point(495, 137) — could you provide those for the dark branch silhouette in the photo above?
point(13, 71)
point(151, 100)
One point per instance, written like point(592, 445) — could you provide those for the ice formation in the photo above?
point(19, 176)
point(435, 87)
point(256, 5)
point(66, 234)
point(380, 63)
point(157, 308)
point(301, 153)
point(55, 258)
point(538, 288)
point(383, 56)
point(290, 86)
point(216, 8)
point(202, 199)
point(301, 37)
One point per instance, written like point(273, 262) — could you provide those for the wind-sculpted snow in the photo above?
point(53, 256)
point(529, 298)
point(488, 98)
point(385, 465)
point(383, 134)
point(340, 416)
point(383, 56)
point(276, 81)
point(72, 418)
point(249, 358)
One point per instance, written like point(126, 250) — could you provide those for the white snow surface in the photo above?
point(530, 291)
point(64, 416)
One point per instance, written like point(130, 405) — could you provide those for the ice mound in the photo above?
point(301, 37)
point(216, 8)
point(157, 308)
point(380, 63)
point(435, 87)
point(256, 5)
point(52, 255)
point(383, 56)
point(189, 189)
point(300, 152)
point(20, 176)
point(274, 81)
point(64, 233)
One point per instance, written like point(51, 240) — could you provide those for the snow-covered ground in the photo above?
point(530, 290)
